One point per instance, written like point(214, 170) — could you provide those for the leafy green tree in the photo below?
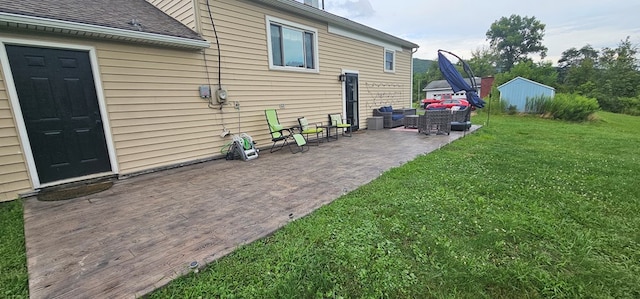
point(580, 78)
point(541, 72)
point(620, 76)
point(419, 82)
point(483, 62)
point(514, 38)
point(577, 66)
point(610, 75)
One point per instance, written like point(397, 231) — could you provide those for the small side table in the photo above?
point(328, 128)
point(375, 123)
point(411, 121)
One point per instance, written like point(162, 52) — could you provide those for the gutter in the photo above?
point(73, 28)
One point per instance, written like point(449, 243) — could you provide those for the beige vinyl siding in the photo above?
point(14, 178)
point(181, 10)
point(241, 30)
point(157, 118)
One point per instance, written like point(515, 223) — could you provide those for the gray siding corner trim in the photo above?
point(66, 27)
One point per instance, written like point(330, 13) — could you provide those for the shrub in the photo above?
point(512, 109)
point(624, 105)
point(630, 106)
point(572, 107)
point(537, 105)
point(611, 104)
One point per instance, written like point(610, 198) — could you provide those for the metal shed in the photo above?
point(516, 91)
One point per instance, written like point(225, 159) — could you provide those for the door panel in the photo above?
point(352, 100)
point(59, 104)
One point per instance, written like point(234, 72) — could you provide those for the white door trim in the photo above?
point(17, 111)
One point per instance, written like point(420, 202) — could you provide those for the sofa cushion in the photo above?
point(397, 116)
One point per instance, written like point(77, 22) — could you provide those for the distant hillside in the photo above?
point(421, 65)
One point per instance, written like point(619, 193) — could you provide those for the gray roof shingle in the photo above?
point(107, 13)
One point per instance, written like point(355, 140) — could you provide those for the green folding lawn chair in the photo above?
point(281, 134)
point(306, 129)
point(336, 120)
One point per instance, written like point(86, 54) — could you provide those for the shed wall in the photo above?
point(517, 92)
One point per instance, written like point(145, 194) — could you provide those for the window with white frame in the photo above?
point(292, 46)
point(389, 60)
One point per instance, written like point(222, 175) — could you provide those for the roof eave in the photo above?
point(320, 15)
point(61, 26)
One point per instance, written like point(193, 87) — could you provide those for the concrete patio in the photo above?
point(146, 230)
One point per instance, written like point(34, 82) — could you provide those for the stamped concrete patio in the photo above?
point(146, 230)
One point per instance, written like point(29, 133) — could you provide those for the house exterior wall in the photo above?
point(157, 118)
point(155, 113)
point(518, 90)
point(241, 28)
point(181, 10)
point(14, 177)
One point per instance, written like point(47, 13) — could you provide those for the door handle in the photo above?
point(98, 119)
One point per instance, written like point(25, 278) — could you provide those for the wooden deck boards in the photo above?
point(143, 232)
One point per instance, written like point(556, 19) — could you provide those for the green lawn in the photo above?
point(525, 207)
point(13, 259)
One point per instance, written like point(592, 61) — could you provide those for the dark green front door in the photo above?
point(57, 96)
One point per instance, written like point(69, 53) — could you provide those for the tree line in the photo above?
point(609, 75)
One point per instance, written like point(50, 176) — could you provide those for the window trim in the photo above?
point(316, 61)
point(384, 59)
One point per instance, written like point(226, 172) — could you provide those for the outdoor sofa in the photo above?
point(392, 117)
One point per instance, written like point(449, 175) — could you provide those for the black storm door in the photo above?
point(352, 101)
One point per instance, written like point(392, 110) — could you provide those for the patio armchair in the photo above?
point(391, 118)
point(306, 129)
point(281, 134)
point(461, 119)
point(337, 121)
point(435, 121)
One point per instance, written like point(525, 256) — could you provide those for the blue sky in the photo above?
point(460, 26)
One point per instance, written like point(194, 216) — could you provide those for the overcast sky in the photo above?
point(460, 26)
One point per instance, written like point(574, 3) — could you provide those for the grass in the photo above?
point(524, 208)
point(13, 259)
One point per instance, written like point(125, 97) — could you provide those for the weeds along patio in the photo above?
point(146, 230)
